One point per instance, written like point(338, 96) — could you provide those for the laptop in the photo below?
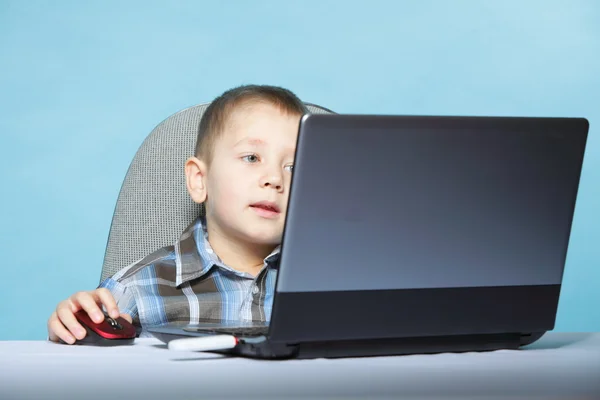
point(417, 234)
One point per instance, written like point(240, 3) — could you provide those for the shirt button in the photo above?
point(255, 289)
point(209, 251)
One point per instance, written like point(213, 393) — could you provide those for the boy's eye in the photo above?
point(289, 167)
point(251, 158)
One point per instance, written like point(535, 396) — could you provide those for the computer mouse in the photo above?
point(109, 332)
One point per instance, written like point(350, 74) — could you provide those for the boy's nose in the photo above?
point(272, 181)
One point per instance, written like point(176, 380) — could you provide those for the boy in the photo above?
point(224, 265)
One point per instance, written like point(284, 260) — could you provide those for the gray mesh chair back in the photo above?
point(153, 206)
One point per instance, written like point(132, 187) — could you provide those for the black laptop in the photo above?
point(408, 234)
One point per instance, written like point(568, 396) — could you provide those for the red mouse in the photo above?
point(109, 332)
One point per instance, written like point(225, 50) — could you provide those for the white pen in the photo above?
point(204, 343)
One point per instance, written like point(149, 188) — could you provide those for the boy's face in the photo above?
point(247, 183)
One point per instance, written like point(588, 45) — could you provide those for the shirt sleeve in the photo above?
point(122, 295)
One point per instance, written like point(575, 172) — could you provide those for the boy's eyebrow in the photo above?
point(251, 141)
point(259, 142)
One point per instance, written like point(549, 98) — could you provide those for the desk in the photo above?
point(559, 365)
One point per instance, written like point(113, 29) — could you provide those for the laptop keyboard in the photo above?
point(234, 330)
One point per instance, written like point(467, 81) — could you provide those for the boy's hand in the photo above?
point(64, 325)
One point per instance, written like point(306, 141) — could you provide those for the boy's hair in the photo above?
point(215, 116)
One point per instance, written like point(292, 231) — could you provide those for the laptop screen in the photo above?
point(417, 202)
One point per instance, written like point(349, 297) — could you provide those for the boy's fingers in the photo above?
point(63, 324)
point(127, 317)
point(56, 330)
point(66, 318)
point(106, 298)
point(89, 303)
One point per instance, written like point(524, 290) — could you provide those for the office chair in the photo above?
point(153, 206)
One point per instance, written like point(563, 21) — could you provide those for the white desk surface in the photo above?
point(559, 365)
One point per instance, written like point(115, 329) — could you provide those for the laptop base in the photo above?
point(262, 347)
point(416, 345)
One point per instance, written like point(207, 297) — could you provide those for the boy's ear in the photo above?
point(195, 174)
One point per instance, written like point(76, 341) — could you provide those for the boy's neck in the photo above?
point(239, 256)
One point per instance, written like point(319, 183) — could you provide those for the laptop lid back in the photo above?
point(401, 226)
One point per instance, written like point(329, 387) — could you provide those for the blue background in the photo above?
point(83, 83)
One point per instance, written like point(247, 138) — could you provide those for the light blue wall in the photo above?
point(82, 83)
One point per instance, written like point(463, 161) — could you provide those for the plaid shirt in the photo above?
point(188, 283)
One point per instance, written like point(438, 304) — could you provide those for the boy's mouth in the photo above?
point(266, 209)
